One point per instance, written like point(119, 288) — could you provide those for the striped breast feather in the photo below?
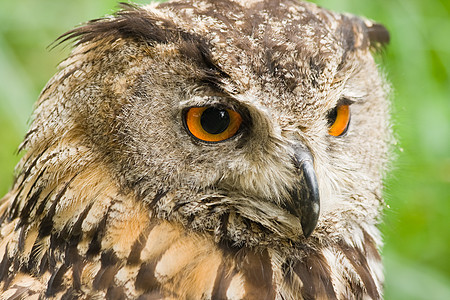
point(166, 262)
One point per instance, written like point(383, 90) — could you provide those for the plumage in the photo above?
point(117, 198)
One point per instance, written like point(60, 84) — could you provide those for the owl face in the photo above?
point(242, 125)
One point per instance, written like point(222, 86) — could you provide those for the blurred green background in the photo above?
point(417, 223)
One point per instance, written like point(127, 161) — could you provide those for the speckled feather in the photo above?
point(115, 200)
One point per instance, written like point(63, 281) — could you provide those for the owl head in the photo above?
point(259, 122)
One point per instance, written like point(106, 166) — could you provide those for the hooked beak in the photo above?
point(305, 196)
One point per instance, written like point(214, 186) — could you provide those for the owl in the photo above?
point(212, 149)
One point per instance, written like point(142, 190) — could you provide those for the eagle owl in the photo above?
point(212, 149)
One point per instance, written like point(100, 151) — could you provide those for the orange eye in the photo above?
point(339, 119)
point(211, 124)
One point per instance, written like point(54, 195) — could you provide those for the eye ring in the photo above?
point(339, 120)
point(212, 124)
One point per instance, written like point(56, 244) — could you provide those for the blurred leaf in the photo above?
point(407, 280)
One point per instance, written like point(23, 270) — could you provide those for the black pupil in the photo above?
point(332, 115)
point(215, 121)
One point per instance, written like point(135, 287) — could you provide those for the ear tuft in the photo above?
point(378, 36)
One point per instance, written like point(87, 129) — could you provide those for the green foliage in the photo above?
point(417, 62)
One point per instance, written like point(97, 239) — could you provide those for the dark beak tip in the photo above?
point(308, 233)
point(311, 212)
point(308, 228)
